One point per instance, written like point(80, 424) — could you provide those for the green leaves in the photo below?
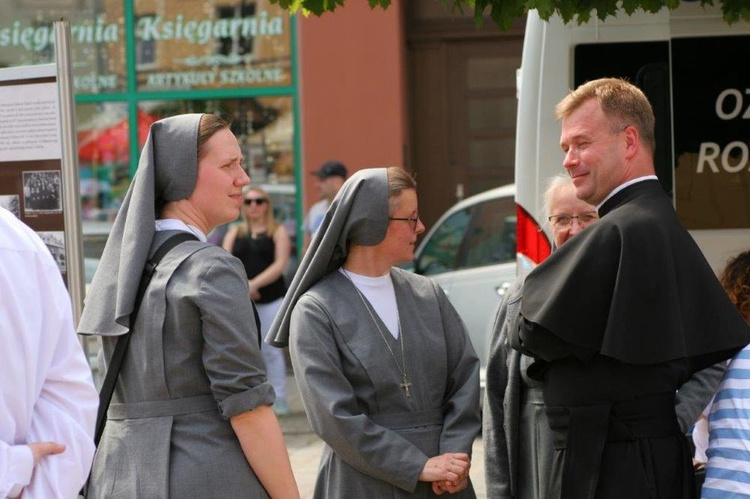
point(504, 12)
point(734, 10)
point(316, 7)
point(379, 3)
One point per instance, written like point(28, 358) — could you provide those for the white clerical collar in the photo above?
point(622, 186)
point(371, 280)
point(175, 224)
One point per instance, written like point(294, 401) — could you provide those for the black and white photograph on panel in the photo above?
point(42, 192)
point(12, 203)
point(55, 241)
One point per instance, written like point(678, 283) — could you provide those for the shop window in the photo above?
point(264, 127)
point(215, 44)
point(104, 157)
point(97, 40)
point(238, 44)
point(145, 48)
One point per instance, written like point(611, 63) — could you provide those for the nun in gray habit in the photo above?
point(386, 371)
point(193, 362)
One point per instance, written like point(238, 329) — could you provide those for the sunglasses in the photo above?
point(258, 201)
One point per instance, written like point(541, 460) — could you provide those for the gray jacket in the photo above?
point(193, 362)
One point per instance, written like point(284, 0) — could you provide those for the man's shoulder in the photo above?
point(639, 214)
point(320, 206)
point(315, 216)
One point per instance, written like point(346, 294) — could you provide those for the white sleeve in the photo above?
point(65, 410)
point(16, 466)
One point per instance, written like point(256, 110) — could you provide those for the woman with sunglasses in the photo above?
point(264, 247)
point(386, 371)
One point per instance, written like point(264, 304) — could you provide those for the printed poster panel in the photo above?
point(31, 152)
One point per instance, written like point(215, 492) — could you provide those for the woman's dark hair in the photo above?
point(736, 282)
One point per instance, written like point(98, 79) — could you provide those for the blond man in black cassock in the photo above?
point(622, 315)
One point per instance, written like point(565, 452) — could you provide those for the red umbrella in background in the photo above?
point(110, 145)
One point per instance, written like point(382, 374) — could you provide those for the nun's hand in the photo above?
point(450, 467)
point(443, 486)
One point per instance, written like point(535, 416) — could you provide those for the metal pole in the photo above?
point(71, 190)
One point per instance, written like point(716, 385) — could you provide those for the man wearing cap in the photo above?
point(331, 176)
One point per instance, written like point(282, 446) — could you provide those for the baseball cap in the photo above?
point(331, 169)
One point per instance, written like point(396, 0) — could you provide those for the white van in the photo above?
point(694, 69)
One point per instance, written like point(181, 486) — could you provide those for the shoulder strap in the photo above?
point(257, 324)
point(108, 387)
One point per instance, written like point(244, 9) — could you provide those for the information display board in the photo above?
point(31, 153)
point(39, 181)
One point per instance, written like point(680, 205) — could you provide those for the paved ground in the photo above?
point(305, 447)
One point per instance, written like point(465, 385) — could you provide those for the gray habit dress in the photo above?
point(192, 363)
point(193, 360)
point(377, 439)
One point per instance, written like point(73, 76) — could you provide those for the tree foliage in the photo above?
point(505, 12)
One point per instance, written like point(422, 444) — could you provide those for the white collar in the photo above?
point(622, 186)
point(176, 224)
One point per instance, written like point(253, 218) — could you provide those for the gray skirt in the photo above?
point(194, 455)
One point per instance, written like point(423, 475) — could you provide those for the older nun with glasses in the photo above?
point(387, 374)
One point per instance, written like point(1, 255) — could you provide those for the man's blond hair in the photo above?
point(622, 103)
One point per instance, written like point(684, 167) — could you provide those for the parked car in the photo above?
point(471, 253)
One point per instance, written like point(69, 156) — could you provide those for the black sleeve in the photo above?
point(538, 342)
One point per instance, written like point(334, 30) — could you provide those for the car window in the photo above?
point(441, 251)
point(491, 238)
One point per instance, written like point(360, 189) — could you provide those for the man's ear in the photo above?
point(632, 141)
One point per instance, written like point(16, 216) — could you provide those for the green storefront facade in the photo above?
point(136, 61)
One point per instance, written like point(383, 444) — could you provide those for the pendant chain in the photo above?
point(405, 384)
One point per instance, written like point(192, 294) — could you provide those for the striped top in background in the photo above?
point(728, 470)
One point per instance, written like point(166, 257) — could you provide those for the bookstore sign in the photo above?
point(171, 51)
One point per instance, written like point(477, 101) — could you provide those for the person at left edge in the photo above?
point(47, 397)
point(386, 370)
point(191, 413)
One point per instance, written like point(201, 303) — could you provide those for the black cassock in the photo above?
point(619, 318)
